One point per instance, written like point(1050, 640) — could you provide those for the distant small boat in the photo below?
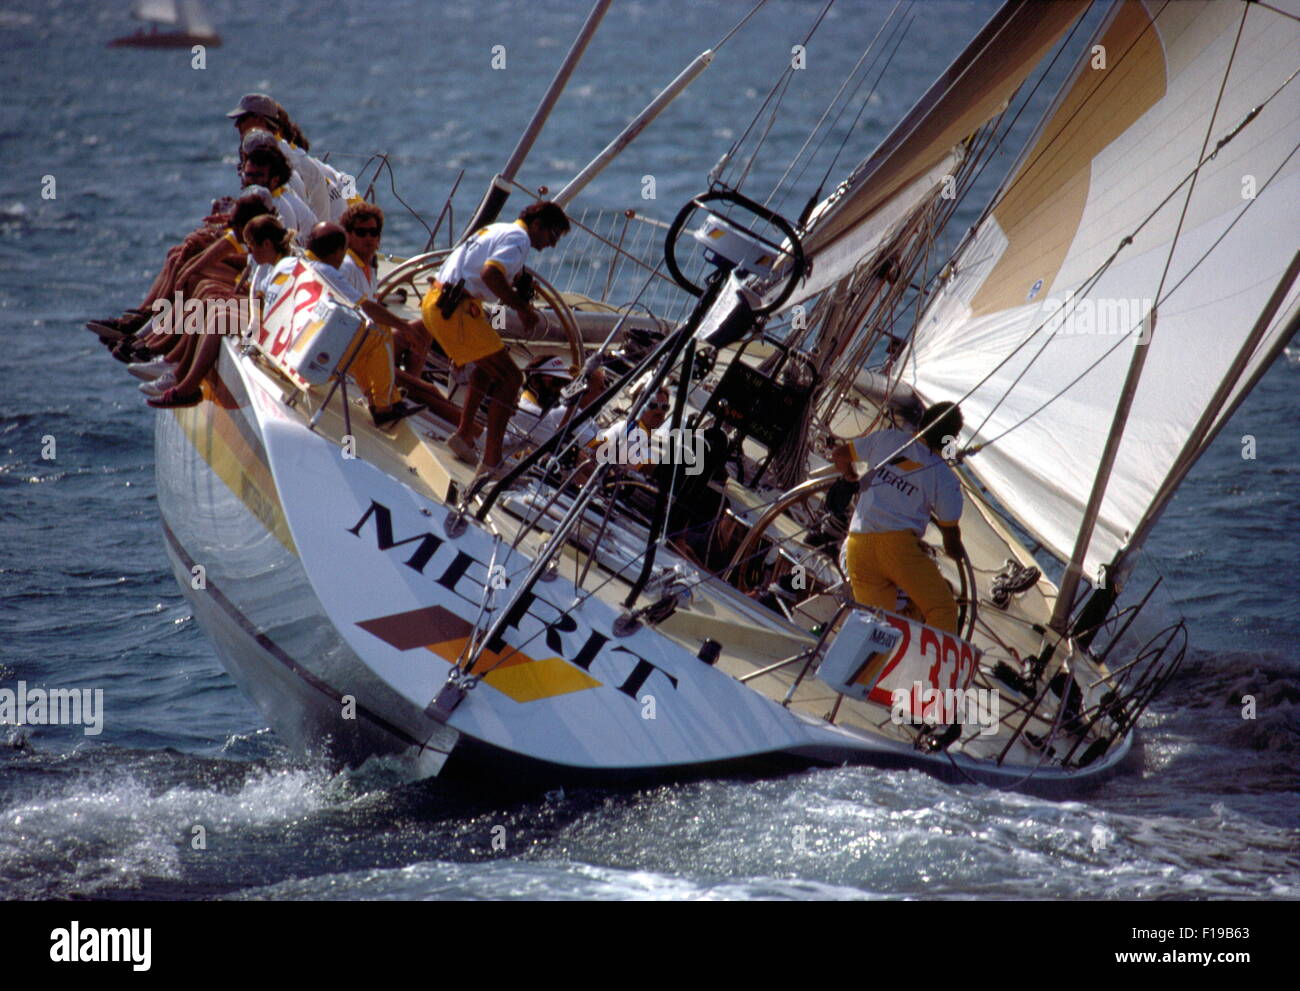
point(192, 26)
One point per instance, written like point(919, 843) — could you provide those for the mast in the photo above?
point(1074, 570)
point(638, 124)
point(499, 191)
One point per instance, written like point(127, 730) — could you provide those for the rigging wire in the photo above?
point(999, 196)
point(867, 102)
point(1205, 143)
point(817, 128)
point(740, 24)
point(1269, 6)
point(1125, 242)
point(1172, 290)
point(782, 79)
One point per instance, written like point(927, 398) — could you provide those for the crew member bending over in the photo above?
point(485, 267)
point(907, 482)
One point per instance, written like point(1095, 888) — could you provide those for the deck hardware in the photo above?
point(626, 624)
point(455, 524)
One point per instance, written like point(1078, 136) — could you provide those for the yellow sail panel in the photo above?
point(1044, 204)
point(1035, 331)
point(974, 89)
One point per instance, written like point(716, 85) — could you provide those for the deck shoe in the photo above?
point(172, 399)
point(158, 387)
point(148, 370)
point(463, 449)
point(394, 413)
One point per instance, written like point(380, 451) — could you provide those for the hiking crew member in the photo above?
point(264, 164)
point(485, 267)
point(373, 369)
point(908, 482)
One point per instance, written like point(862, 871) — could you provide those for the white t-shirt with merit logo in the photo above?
point(902, 493)
point(504, 246)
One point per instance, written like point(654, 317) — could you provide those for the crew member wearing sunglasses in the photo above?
point(364, 224)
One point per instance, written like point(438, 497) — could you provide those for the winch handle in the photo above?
point(775, 219)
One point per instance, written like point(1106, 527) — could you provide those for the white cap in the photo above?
point(554, 366)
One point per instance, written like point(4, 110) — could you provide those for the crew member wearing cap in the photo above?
point(324, 189)
point(485, 266)
point(908, 483)
point(264, 164)
point(541, 410)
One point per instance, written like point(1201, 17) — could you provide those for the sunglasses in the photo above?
point(367, 231)
point(657, 405)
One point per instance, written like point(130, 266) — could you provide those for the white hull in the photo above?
point(308, 610)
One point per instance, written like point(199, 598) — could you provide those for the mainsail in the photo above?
point(1122, 210)
point(156, 11)
point(186, 15)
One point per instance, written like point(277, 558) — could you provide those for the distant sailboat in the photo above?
point(191, 26)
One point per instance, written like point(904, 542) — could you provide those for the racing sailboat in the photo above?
point(171, 24)
point(581, 619)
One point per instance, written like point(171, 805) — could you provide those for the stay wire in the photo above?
point(1128, 239)
point(867, 101)
point(1167, 295)
point(740, 24)
point(817, 128)
point(782, 79)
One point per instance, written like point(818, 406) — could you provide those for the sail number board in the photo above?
point(305, 328)
point(874, 656)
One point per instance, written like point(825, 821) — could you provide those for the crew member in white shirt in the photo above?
point(485, 267)
point(907, 483)
point(327, 244)
point(542, 411)
point(266, 165)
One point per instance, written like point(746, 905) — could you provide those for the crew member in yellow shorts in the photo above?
point(372, 364)
point(908, 482)
point(483, 267)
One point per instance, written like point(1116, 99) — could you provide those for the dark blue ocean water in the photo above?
point(138, 146)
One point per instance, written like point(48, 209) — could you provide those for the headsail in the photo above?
point(908, 167)
point(1039, 318)
point(193, 20)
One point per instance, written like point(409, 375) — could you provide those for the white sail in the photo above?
point(193, 20)
point(1120, 141)
point(156, 11)
point(908, 167)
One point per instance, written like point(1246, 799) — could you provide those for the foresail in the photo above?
point(193, 20)
point(1040, 315)
point(905, 168)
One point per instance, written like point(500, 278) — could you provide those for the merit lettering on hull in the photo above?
point(573, 656)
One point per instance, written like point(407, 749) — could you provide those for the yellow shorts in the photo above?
point(467, 336)
point(882, 563)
